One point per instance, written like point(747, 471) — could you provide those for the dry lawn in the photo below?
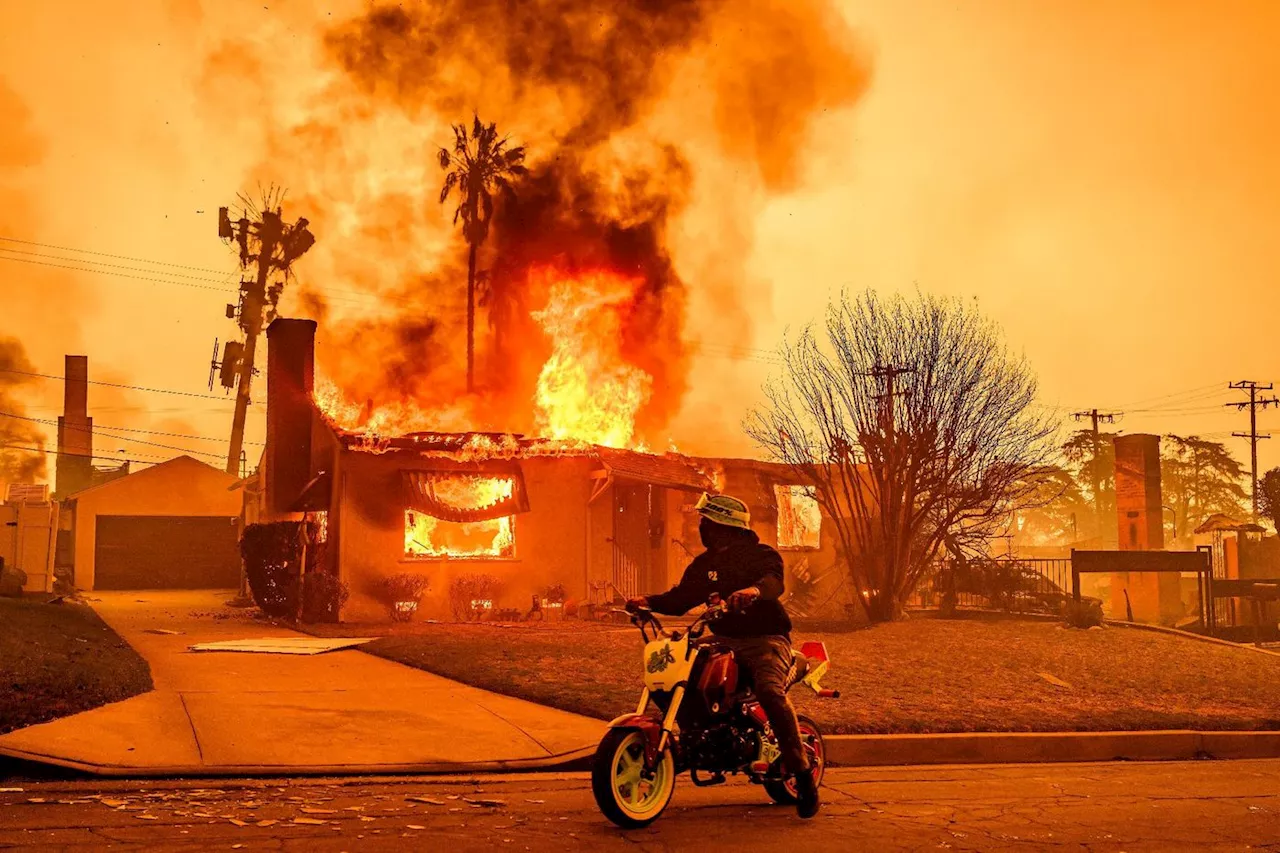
point(60, 659)
point(919, 675)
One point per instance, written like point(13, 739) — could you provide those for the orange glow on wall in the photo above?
point(799, 517)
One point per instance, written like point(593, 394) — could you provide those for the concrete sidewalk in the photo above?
point(226, 713)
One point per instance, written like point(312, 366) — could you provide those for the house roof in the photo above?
point(148, 473)
point(670, 470)
point(1220, 521)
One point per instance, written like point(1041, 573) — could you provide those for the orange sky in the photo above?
point(1101, 176)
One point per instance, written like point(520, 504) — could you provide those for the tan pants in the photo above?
point(768, 660)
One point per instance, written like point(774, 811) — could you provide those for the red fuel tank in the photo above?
point(719, 682)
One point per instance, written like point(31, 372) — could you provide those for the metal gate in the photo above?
point(632, 547)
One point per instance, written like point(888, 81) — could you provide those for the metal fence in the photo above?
point(1016, 585)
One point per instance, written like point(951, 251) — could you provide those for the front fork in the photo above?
point(668, 726)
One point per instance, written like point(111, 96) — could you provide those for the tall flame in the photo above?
point(587, 390)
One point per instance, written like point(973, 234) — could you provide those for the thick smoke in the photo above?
point(640, 119)
point(16, 465)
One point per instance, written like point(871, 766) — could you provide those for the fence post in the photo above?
point(1075, 577)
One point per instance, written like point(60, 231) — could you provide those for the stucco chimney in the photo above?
point(291, 348)
point(74, 464)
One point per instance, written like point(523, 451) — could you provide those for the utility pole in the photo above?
point(1096, 417)
point(889, 374)
point(273, 245)
point(1253, 388)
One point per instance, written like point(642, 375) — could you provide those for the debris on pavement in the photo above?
point(281, 645)
point(481, 801)
point(1054, 680)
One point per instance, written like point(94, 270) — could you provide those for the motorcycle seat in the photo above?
point(800, 665)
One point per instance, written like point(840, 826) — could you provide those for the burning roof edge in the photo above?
point(669, 469)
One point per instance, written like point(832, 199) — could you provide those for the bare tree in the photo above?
point(916, 427)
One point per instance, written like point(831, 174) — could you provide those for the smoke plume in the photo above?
point(644, 122)
point(17, 465)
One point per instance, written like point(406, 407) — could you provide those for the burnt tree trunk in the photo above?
point(471, 317)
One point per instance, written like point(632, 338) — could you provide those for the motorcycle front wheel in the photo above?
point(621, 791)
point(784, 790)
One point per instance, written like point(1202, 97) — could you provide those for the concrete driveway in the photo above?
point(226, 713)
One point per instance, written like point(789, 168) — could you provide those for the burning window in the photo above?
point(460, 516)
point(799, 517)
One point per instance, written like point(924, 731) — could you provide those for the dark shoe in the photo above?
point(806, 795)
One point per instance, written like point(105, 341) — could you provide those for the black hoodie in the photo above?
point(745, 562)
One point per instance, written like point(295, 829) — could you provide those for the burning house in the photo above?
point(566, 285)
point(532, 513)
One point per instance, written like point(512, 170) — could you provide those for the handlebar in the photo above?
point(642, 617)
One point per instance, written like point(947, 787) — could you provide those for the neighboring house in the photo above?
point(171, 526)
point(601, 523)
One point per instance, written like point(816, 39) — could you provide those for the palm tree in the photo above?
point(479, 165)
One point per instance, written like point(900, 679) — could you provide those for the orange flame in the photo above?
point(427, 536)
point(587, 390)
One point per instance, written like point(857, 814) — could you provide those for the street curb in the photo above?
point(1046, 747)
point(842, 751)
point(577, 759)
point(1161, 629)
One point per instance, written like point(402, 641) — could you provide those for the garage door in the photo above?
point(166, 552)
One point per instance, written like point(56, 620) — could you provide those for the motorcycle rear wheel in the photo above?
point(784, 790)
point(622, 794)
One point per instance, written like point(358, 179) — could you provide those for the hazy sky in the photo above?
point(1100, 176)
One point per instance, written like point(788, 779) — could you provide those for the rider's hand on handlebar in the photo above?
point(743, 598)
point(634, 604)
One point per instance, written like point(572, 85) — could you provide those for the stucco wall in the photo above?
point(550, 539)
point(181, 486)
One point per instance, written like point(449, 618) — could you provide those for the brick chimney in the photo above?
point(74, 465)
point(291, 348)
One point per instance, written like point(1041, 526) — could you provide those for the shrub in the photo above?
point(323, 595)
point(467, 590)
point(401, 593)
point(1085, 613)
point(271, 553)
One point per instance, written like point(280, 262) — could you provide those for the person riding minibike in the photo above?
point(747, 574)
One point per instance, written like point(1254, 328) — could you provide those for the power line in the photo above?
point(144, 461)
point(117, 385)
point(226, 279)
point(108, 255)
point(97, 430)
point(1190, 391)
point(120, 274)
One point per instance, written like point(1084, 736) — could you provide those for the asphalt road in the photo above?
point(1164, 807)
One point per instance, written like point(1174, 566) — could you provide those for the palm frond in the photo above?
point(450, 181)
point(444, 158)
